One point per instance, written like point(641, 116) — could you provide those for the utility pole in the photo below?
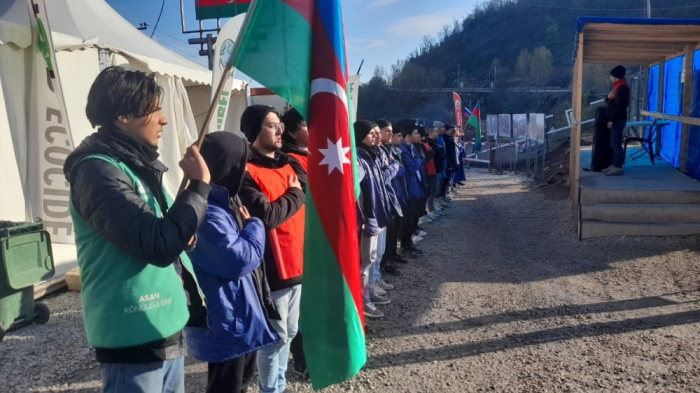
point(459, 65)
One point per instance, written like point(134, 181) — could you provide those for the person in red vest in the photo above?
point(295, 138)
point(272, 192)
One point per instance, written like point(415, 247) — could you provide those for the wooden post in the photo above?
point(687, 96)
point(575, 166)
point(660, 100)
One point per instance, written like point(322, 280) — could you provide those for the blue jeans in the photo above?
point(381, 249)
point(159, 377)
point(616, 143)
point(272, 361)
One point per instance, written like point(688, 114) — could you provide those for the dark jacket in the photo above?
point(399, 183)
point(375, 202)
point(227, 263)
point(105, 198)
point(299, 168)
point(617, 107)
point(413, 163)
point(439, 157)
point(451, 153)
point(272, 214)
point(390, 172)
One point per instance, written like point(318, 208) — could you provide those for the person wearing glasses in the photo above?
point(272, 192)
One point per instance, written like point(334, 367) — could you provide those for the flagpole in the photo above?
point(224, 77)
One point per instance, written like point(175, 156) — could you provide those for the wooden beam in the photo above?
point(691, 121)
point(687, 96)
point(645, 90)
point(666, 47)
point(656, 38)
point(575, 144)
point(621, 28)
point(660, 105)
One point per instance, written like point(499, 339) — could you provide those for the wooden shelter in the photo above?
point(632, 41)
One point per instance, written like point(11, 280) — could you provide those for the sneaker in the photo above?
point(408, 254)
point(447, 200)
point(425, 219)
point(399, 259)
point(615, 172)
point(438, 210)
point(422, 233)
point(416, 239)
point(415, 250)
point(385, 285)
point(379, 300)
point(371, 312)
point(463, 183)
point(608, 169)
point(301, 372)
point(379, 290)
point(421, 222)
point(389, 269)
point(433, 216)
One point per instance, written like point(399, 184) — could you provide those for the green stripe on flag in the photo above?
point(276, 52)
point(335, 348)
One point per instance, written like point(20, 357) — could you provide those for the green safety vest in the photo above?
point(127, 301)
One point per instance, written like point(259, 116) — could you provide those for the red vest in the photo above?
point(287, 240)
point(430, 165)
point(302, 159)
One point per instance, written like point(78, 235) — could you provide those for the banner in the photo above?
point(222, 53)
point(492, 125)
point(520, 126)
point(504, 126)
point(354, 92)
point(217, 9)
point(49, 137)
point(458, 110)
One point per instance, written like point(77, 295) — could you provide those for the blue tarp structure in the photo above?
point(673, 105)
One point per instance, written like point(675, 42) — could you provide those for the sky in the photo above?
point(378, 31)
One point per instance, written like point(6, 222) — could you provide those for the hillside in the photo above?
point(488, 46)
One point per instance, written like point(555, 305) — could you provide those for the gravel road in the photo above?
point(505, 299)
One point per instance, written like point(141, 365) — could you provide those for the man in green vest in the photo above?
point(132, 237)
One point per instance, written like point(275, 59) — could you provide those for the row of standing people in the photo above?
point(407, 174)
point(216, 270)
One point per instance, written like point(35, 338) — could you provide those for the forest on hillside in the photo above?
point(501, 44)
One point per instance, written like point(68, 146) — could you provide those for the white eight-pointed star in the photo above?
point(335, 156)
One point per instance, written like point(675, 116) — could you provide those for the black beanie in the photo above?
point(362, 129)
point(252, 120)
point(618, 72)
point(422, 131)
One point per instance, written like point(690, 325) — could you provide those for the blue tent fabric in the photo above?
point(582, 21)
point(693, 166)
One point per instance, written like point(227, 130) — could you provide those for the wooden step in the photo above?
point(591, 229)
point(641, 213)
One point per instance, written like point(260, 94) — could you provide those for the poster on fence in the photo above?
point(504, 126)
point(520, 126)
point(492, 125)
point(536, 126)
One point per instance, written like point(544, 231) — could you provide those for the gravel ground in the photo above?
point(505, 299)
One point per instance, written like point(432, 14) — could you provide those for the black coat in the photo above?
point(440, 157)
point(617, 108)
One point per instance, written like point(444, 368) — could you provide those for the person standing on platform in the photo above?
point(617, 101)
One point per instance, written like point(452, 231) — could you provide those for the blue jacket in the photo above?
point(399, 181)
point(390, 172)
point(224, 262)
point(413, 163)
point(376, 211)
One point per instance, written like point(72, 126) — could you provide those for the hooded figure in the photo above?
point(227, 264)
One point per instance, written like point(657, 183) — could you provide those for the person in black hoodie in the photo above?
point(130, 239)
point(617, 100)
point(295, 142)
point(272, 192)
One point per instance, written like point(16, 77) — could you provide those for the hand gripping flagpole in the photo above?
point(224, 78)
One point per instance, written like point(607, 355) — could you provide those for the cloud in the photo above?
point(363, 44)
point(381, 3)
point(426, 24)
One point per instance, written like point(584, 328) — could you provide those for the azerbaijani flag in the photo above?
point(475, 121)
point(213, 9)
point(296, 48)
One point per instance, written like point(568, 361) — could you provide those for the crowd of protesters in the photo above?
point(217, 271)
point(407, 174)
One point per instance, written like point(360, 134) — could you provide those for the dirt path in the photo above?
point(505, 299)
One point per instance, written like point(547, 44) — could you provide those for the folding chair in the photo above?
point(649, 140)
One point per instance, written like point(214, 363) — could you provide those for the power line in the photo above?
point(162, 5)
point(604, 9)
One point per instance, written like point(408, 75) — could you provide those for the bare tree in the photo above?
point(523, 67)
point(541, 66)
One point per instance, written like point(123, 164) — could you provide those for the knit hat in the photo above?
point(438, 124)
point(362, 129)
point(422, 131)
point(618, 72)
point(252, 120)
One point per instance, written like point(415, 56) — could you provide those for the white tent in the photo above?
point(89, 35)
